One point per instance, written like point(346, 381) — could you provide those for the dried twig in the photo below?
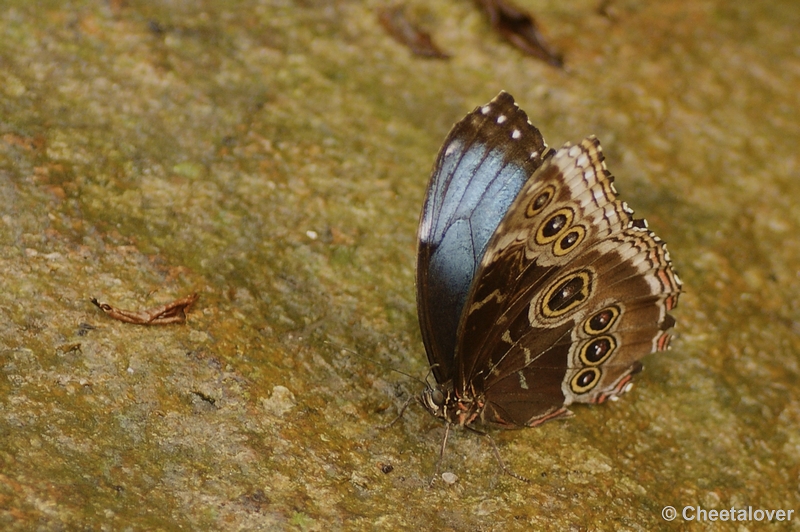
point(520, 29)
point(174, 312)
point(396, 23)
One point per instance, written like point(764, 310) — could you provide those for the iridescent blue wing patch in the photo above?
point(483, 164)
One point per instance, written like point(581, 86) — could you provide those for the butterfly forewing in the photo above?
point(483, 164)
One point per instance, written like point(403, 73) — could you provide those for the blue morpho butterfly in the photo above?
point(536, 288)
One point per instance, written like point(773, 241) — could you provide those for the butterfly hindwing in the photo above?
point(570, 294)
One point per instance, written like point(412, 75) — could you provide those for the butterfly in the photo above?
point(536, 286)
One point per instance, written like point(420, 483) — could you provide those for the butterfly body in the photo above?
point(536, 287)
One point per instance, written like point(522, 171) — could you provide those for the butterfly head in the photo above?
point(442, 402)
point(433, 399)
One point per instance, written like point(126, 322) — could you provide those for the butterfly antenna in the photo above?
point(408, 401)
point(381, 364)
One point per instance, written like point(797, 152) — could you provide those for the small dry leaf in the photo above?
point(174, 312)
point(520, 29)
point(396, 23)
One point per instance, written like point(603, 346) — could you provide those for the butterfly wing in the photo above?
point(483, 164)
point(571, 292)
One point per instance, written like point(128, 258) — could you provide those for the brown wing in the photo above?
point(573, 292)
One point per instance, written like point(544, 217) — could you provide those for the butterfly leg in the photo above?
point(441, 454)
point(402, 411)
point(499, 458)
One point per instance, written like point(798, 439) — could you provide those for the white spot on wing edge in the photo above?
point(453, 146)
point(425, 228)
point(486, 109)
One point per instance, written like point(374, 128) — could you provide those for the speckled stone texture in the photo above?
point(272, 156)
